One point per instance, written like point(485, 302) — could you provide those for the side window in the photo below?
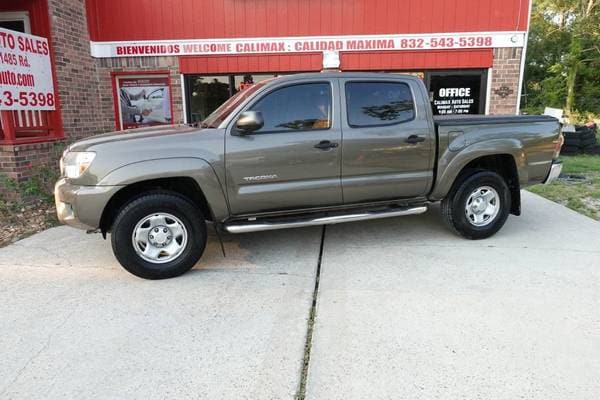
point(378, 103)
point(301, 107)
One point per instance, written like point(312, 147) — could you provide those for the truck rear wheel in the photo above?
point(159, 235)
point(478, 205)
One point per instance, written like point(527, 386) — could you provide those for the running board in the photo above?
point(267, 226)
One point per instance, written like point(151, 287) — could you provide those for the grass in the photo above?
point(581, 195)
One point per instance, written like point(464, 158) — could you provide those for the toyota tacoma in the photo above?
point(296, 151)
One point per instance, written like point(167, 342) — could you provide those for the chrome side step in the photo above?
point(267, 226)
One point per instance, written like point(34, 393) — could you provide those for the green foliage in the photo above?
point(41, 183)
point(8, 184)
point(39, 186)
point(563, 58)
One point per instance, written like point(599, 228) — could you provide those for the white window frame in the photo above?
point(17, 16)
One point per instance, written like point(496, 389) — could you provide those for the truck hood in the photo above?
point(129, 135)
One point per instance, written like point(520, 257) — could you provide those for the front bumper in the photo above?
point(555, 171)
point(81, 206)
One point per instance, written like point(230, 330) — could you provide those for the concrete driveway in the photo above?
point(404, 309)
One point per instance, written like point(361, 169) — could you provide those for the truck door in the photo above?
point(293, 161)
point(388, 140)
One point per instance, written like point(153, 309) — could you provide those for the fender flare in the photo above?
point(196, 168)
point(452, 163)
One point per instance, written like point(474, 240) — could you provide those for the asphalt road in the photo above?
point(404, 309)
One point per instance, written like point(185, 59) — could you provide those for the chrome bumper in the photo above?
point(555, 171)
point(81, 206)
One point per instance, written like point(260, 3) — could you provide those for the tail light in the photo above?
point(560, 140)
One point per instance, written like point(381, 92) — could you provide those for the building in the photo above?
point(122, 64)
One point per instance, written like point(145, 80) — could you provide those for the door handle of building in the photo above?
point(414, 139)
point(325, 145)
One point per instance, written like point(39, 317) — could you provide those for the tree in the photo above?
point(563, 58)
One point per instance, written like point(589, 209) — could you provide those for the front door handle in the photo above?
point(414, 139)
point(325, 145)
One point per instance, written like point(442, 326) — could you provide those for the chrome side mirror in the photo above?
point(249, 121)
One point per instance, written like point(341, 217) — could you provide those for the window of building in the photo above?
point(205, 93)
point(301, 107)
point(378, 103)
point(15, 21)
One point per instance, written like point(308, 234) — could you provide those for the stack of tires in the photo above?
point(582, 140)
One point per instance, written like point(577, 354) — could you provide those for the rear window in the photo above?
point(378, 103)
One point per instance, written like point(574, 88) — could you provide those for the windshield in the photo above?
point(219, 115)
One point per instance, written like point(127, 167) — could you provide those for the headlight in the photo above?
point(74, 164)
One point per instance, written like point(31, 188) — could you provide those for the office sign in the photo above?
point(26, 81)
point(455, 94)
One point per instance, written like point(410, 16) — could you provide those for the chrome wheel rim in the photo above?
point(159, 238)
point(482, 206)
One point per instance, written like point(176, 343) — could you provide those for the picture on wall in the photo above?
point(144, 101)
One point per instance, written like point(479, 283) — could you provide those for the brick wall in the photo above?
point(76, 72)
point(505, 80)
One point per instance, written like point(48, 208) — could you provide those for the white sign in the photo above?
point(331, 59)
point(309, 44)
point(25, 72)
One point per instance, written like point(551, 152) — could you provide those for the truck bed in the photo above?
point(528, 139)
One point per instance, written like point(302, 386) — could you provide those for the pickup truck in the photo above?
point(296, 151)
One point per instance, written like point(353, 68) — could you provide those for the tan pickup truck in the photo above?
point(301, 150)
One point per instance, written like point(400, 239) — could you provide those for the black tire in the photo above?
point(588, 135)
point(570, 150)
point(158, 202)
point(454, 205)
point(572, 136)
point(588, 142)
point(572, 142)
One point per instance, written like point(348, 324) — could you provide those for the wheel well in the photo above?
point(184, 186)
point(505, 166)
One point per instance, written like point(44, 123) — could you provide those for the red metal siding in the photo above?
point(114, 20)
point(375, 61)
point(417, 60)
point(255, 63)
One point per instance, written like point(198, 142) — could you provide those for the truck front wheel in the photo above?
point(159, 235)
point(477, 206)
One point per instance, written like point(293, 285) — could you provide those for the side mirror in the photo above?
point(249, 121)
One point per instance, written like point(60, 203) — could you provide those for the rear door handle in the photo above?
point(414, 139)
point(325, 145)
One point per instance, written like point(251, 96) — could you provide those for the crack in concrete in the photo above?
point(301, 393)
